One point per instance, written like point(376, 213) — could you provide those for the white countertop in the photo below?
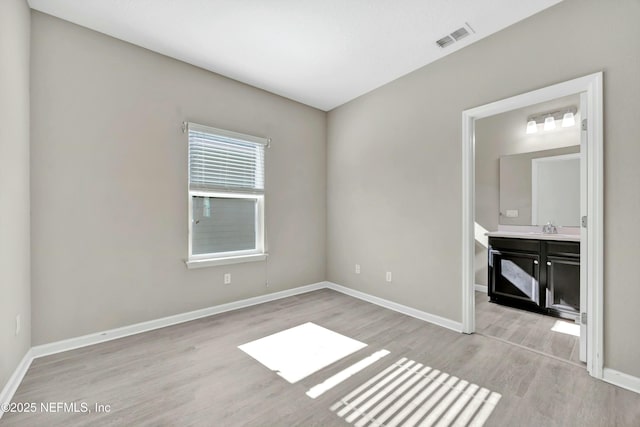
point(534, 235)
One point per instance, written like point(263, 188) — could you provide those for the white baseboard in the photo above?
point(418, 314)
point(481, 288)
point(112, 334)
point(621, 379)
point(14, 382)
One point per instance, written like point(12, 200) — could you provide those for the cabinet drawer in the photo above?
point(524, 245)
point(570, 249)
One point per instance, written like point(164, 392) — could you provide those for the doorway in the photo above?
point(589, 89)
point(528, 174)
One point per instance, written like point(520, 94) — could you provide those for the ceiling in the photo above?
point(322, 53)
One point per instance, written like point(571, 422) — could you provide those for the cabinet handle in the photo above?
point(548, 262)
point(535, 261)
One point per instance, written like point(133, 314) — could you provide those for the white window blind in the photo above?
point(220, 160)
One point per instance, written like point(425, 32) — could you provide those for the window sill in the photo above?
point(212, 262)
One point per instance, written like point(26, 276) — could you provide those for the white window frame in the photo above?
point(230, 257)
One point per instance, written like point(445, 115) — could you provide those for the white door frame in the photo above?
point(592, 86)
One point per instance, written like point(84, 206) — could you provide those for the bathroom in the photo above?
point(528, 211)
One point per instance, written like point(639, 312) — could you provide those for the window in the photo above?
point(226, 197)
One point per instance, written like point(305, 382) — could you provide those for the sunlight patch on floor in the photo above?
point(566, 328)
point(408, 394)
point(343, 375)
point(300, 351)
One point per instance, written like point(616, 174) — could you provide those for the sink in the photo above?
point(535, 234)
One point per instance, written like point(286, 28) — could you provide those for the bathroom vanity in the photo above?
point(535, 271)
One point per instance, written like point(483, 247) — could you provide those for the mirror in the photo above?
point(541, 186)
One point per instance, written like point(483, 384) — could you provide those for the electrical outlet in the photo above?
point(227, 278)
point(357, 268)
point(388, 276)
point(17, 324)
point(266, 284)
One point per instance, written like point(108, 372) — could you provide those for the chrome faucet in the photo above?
point(549, 228)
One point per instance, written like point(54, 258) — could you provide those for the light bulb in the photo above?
point(568, 120)
point(532, 127)
point(549, 123)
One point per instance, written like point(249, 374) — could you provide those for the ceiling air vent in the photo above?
point(445, 41)
point(460, 33)
point(455, 36)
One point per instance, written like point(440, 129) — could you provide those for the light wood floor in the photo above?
point(525, 328)
point(194, 374)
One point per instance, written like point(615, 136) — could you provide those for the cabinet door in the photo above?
point(563, 285)
point(514, 276)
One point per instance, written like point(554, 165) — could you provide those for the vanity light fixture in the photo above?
point(568, 120)
point(549, 123)
point(548, 119)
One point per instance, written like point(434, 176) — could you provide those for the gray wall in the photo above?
point(14, 185)
point(109, 183)
point(394, 162)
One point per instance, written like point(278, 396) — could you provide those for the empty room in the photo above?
point(319, 213)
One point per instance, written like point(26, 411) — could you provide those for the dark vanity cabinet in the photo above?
point(536, 275)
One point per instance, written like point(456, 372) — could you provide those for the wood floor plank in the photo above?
point(193, 374)
point(525, 328)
